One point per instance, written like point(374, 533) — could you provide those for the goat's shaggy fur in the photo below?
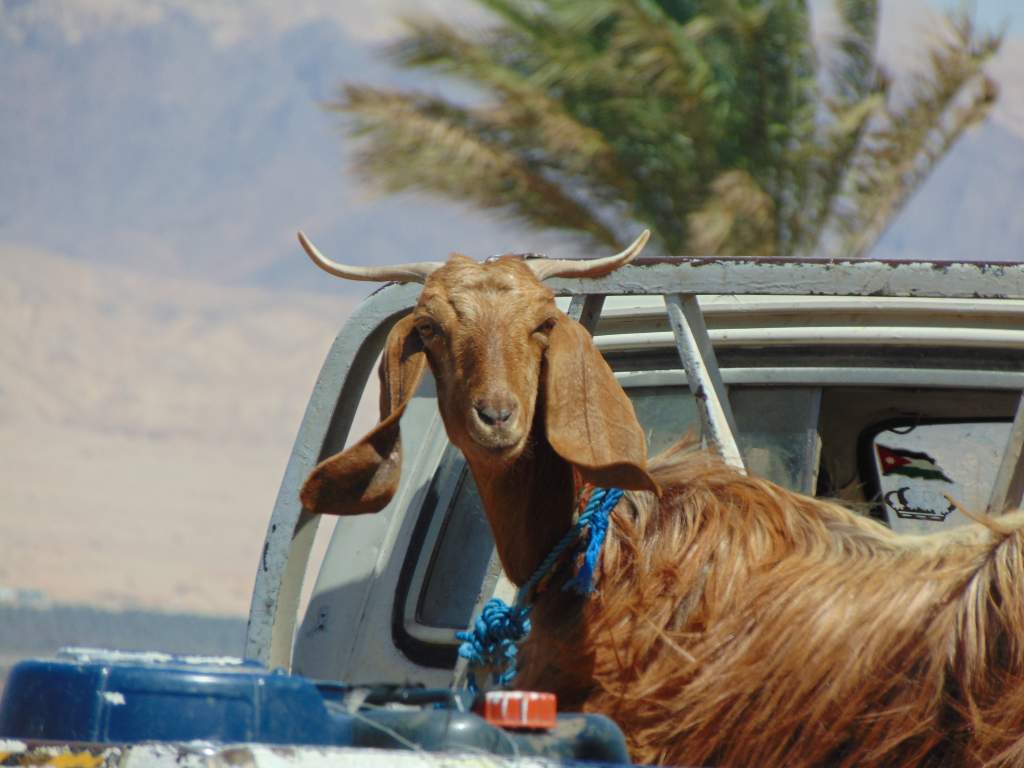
point(738, 623)
point(734, 622)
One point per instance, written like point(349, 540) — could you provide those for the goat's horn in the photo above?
point(545, 268)
point(399, 273)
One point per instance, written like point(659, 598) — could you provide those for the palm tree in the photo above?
point(715, 123)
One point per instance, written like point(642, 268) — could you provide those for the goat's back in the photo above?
point(736, 622)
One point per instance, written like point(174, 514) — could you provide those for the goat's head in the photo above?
point(497, 345)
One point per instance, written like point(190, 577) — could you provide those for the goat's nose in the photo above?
point(495, 414)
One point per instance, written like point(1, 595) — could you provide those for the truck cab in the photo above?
point(892, 387)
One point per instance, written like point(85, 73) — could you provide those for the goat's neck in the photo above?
point(529, 504)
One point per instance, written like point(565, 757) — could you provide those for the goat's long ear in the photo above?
point(364, 477)
point(589, 419)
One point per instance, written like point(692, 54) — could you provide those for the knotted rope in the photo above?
point(493, 641)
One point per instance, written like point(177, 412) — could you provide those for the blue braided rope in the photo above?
point(493, 641)
point(583, 581)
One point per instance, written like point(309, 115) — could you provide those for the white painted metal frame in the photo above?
point(1008, 488)
point(331, 408)
point(718, 425)
point(325, 426)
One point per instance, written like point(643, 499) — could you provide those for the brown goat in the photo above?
point(734, 622)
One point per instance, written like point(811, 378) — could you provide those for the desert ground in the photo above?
point(144, 428)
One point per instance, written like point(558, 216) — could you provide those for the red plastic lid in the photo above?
point(521, 709)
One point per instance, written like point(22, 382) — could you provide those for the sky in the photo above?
point(163, 329)
point(992, 12)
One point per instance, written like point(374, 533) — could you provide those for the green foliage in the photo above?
point(715, 123)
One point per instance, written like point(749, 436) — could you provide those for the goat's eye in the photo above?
point(426, 330)
point(546, 326)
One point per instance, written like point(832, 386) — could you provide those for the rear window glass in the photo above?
point(777, 427)
point(459, 560)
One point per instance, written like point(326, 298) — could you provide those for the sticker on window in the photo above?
point(925, 471)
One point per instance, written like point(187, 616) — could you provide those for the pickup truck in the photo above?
point(894, 387)
point(825, 366)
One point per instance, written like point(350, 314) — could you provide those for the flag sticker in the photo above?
point(897, 461)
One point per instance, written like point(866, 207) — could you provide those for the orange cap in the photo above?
point(521, 709)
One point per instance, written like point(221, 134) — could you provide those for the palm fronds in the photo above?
point(415, 142)
point(712, 122)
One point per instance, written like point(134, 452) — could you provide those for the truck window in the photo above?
point(777, 436)
point(459, 560)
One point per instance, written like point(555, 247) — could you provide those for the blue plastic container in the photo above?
point(111, 696)
point(114, 697)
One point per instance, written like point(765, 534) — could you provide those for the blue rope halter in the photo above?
point(493, 641)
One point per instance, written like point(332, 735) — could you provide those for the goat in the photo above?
point(734, 622)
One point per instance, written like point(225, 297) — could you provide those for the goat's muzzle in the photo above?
point(494, 424)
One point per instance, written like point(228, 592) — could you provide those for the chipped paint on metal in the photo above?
point(328, 757)
point(77, 759)
point(193, 754)
point(150, 755)
point(59, 756)
point(697, 355)
point(809, 278)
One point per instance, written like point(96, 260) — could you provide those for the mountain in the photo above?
point(157, 148)
point(164, 149)
point(145, 425)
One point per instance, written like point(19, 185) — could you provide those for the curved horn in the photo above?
point(545, 268)
point(398, 273)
